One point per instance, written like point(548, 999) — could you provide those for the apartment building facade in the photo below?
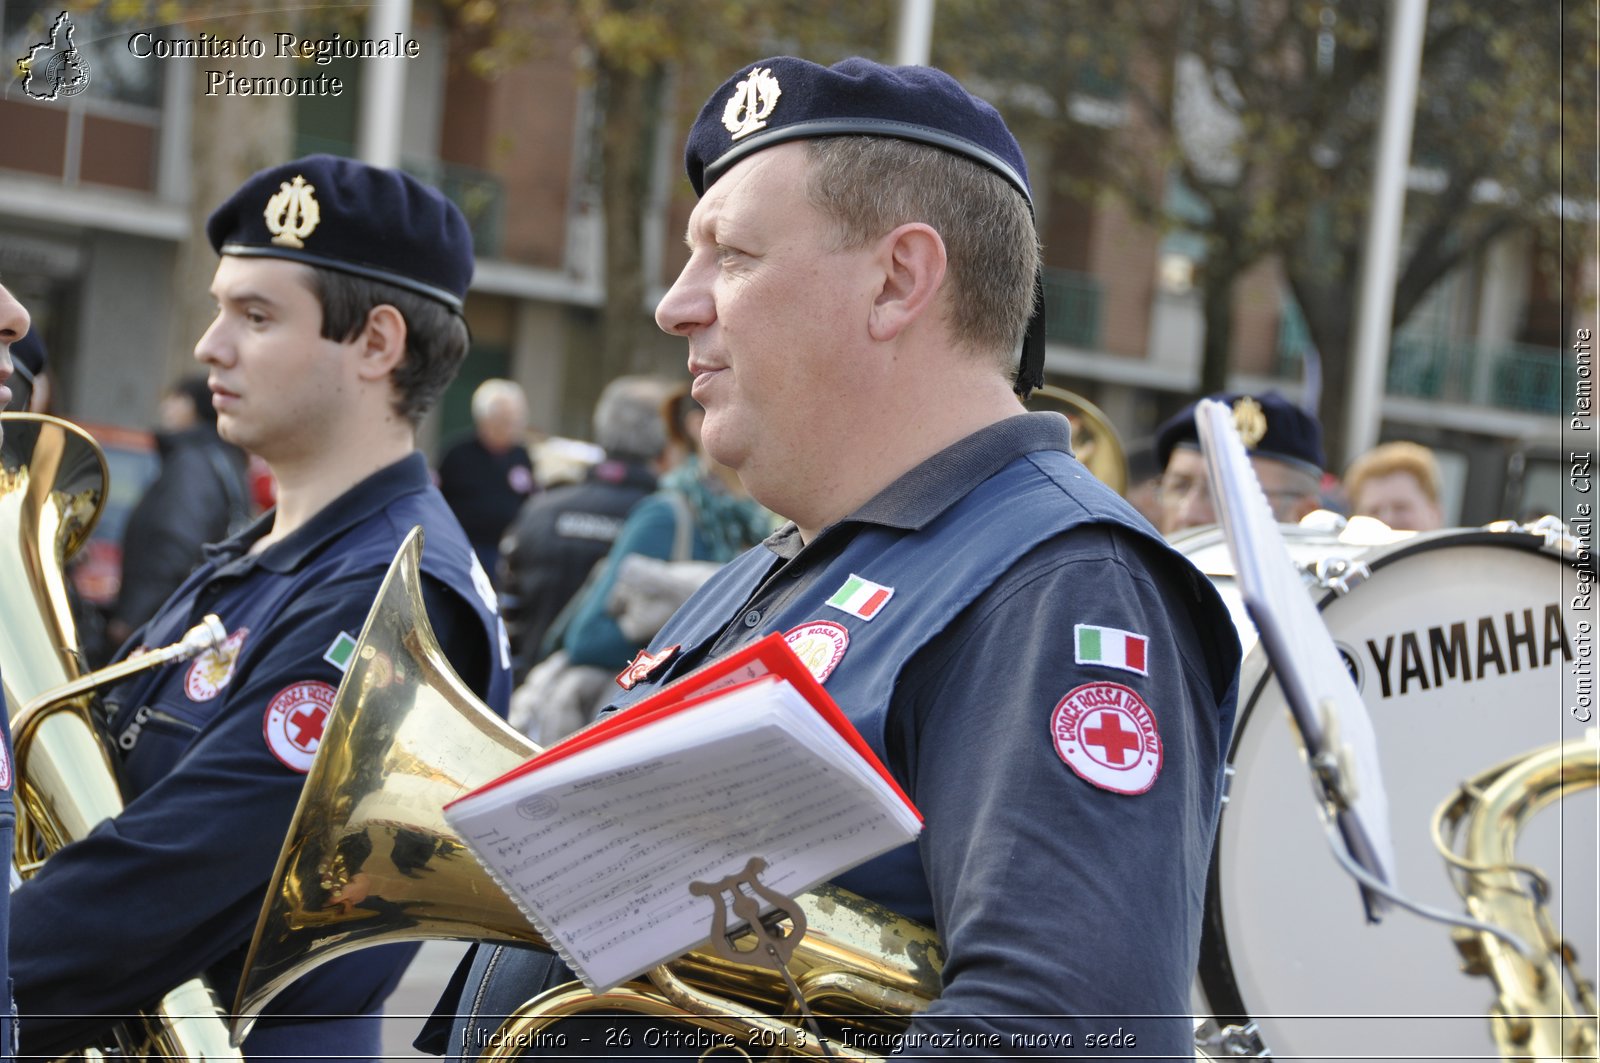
point(98, 211)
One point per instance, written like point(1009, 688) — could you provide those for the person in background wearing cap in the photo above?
point(339, 295)
point(199, 496)
point(1051, 684)
point(14, 324)
point(1285, 447)
point(1398, 483)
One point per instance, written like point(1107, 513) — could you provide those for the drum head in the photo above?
point(1464, 645)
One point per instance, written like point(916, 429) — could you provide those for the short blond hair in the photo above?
point(869, 185)
point(1387, 458)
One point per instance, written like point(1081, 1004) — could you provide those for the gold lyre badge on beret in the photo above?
point(1250, 419)
point(293, 213)
point(751, 103)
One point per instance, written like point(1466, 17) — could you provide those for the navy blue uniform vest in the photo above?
point(962, 552)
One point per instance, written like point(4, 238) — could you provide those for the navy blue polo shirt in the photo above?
point(214, 752)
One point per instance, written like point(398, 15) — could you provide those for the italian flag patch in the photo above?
point(1111, 647)
point(340, 652)
point(861, 597)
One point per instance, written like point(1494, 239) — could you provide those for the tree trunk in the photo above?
point(1217, 302)
point(630, 104)
point(1330, 324)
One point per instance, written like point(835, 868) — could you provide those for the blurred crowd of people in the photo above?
point(590, 559)
point(588, 568)
point(591, 546)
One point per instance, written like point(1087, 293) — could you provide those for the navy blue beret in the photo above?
point(323, 210)
point(784, 98)
point(1269, 424)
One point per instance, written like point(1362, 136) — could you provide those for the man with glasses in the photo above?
point(1285, 447)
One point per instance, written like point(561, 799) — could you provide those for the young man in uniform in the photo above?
point(339, 296)
point(1052, 686)
point(14, 323)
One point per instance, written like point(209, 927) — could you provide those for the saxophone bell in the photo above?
point(1544, 1008)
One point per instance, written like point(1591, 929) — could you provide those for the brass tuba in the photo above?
point(1534, 1016)
point(52, 488)
point(369, 859)
point(1094, 440)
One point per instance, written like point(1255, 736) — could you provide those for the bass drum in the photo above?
point(1464, 645)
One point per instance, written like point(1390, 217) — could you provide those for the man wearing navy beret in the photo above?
point(339, 322)
point(1047, 680)
point(1285, 447)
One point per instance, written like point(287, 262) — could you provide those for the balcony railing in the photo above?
point(1508, 376)
point(1072, 308)
point(479, 194)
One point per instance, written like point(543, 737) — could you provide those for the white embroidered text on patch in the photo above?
point(1107, 735)
point(820, 645)
point(294, 721)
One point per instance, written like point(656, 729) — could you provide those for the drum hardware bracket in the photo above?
point(1231, 1042)
point(1228, 772)
point(1552, 529)
point(1338, 574)
point(1332, 767)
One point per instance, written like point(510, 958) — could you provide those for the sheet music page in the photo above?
point(1299, 645)
point(599, 848)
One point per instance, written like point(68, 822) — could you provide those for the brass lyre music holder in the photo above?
point(774, 943)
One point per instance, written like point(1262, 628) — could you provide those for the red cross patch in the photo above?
point(295, 718)
point(1107, 735)
point(644, 664)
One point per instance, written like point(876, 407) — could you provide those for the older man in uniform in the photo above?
point(1052, 686)
point(1285, 447)
point(339, 321)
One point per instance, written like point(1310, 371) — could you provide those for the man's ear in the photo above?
point(383, 342)
point(913, 260)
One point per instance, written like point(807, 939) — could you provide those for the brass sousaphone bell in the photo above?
point(1094, 440)
point(52, 488)
point(370, 860)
